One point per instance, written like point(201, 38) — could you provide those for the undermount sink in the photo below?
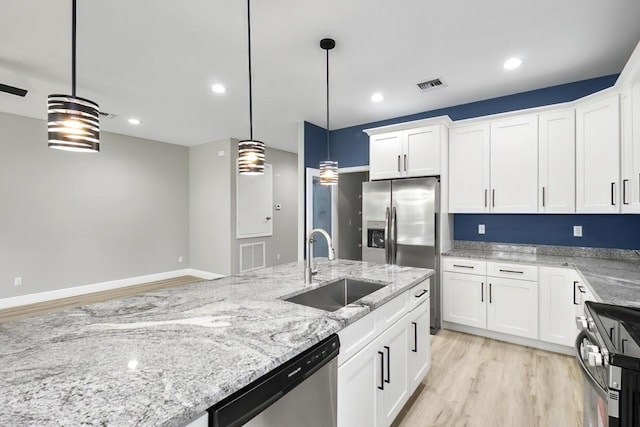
point(336, 294)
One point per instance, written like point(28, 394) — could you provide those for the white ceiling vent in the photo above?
point(431, 84)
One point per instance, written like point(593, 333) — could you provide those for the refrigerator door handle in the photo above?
point(387, 238)
point(394, 235)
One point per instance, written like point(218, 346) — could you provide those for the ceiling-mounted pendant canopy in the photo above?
point(250, 151)
point(73, 123)
point(328, 168)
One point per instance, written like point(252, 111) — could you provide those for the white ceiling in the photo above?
point(156, 59)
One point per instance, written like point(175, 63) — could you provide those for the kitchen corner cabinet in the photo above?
point(559, 293)
point(514, 170)
point(469, 169)
point(377, 375)
point(630, 138)
point(405, 153)
point(598, 156)
point(556, 162)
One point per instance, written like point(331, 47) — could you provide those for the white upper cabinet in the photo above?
point(630, 138)
point(469, 169)
point(406, 153)
point(514, 165)
point(598, 156)
point(385, 155)
point(556, 163)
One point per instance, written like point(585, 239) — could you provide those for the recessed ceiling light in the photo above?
point(377, 97)
point(134, 121)
point(218, 88)
point(512, 63)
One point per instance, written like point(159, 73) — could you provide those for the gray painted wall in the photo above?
point(210, 202)
point(70, 219)
point(285, 221)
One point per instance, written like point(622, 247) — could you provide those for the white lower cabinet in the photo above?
point(463, 299)
point(419, 345)
point(513, 307)
point(375, 382)
point(559, 293)
point(495, 301)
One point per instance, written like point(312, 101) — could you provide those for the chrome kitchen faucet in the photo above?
point(332, 255)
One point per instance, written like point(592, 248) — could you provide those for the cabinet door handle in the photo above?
point(424, 291)
point(543, 197)
point(511, 271)
point(624, 340)
point(381, 386)
point(581, 289)
point(611, 330)
point(575, 285)
point(388, 380)
point(490, 295)
point(613, 188)
point(624, 191)
point(493, 198)
point(486, 191)
point(415, 337)
point(463, 266)
point(405, 162)
point(481, 291)
point(398, 163)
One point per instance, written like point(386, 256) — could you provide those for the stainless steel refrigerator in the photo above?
point(399, 219)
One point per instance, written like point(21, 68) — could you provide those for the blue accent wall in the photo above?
point(350, 146)
point(315, 145)
point(598, 231)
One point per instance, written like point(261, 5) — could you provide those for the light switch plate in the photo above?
point(480, 228)
point(577, 231)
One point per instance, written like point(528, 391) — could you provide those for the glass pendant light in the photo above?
point(73, 122)
point(328, 168)
point(250, 151)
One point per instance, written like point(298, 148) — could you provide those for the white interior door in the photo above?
point(254, 204)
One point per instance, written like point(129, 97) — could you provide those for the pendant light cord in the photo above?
point(73, 49)
point(328, 142)
point(249, 49)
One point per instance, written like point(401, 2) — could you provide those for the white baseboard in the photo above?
point(528, 342)
point(103, 286)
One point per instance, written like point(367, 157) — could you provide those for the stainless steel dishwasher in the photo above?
point(300, 392)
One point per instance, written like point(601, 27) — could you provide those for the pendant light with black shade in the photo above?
point(328, 168)
point(73, 123)
point(250, 151)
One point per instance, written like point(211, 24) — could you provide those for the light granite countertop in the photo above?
point(163, 357)
point(613, 281)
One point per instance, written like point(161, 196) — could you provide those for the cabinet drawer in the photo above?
point(390, 312)
point(464, 265)
point(512, 271)
point(356, 336)
point(419, 293)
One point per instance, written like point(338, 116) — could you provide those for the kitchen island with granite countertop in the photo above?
point(163, 357)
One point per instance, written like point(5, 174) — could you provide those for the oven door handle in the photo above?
point(594, 383)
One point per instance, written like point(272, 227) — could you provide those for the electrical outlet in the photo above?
point(577, 231)
point(17, 281)
point(277, 256)
point(221, 153)
point(480, 228)
point(179, 259)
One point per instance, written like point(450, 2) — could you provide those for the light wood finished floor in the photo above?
point(475, 381)
point(15, 313)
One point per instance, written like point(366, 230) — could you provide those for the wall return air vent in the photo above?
point(431, 84)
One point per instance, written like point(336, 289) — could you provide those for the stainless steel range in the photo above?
point(608, 350)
